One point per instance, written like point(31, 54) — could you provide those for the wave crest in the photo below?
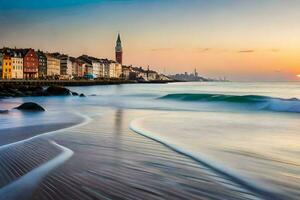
point(259, 102)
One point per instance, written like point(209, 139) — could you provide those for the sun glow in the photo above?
point(298, 75)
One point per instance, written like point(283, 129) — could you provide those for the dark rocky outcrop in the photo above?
point(4, 112)
point(25, 91)
point(57, 91)
point(82, 95)
point(30, 106)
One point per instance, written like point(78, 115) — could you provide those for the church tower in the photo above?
point(119, 51)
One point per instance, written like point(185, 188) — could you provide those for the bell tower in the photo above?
point(119, 50)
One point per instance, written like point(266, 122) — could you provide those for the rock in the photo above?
point(82, 95)
point(3, 112)
point(74, 93)
point(57, 91)
point(30, 106)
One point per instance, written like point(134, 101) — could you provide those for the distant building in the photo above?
point(126, 72)
point(119, 50)
point(17, 65)
point(147, 75)
point(42, 68)
point(189, 77)
point(53, 65)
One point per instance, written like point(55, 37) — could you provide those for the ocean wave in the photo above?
point(258, 102)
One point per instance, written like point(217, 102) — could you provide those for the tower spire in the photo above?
point(119, 50)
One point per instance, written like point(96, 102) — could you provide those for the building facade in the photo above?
point(42, 68)
point(65, 67)
point(17, 65)
point(119, 50)
point(1, 59)
point(53, 66)
point(30, 64)
point(6, 67)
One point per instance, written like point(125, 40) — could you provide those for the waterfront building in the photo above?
point(30, 63)
point(74, 67)
point(111, 69)
point(17, 65)
point(146, 75)
point(119, 50)
point(42, 68)
point(151, 75)
point(128, 73)
point(53, 66)
point(80, 68)
point(118, 70)
point(6, 66)
point(93, 66)
point(1, 59)
point(65, 66)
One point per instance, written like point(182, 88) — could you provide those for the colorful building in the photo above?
point(17, 65)
point(30, 63)
point(6, 66)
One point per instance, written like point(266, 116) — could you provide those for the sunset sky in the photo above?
point(244, 40)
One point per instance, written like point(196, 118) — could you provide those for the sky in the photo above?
point(242, 40)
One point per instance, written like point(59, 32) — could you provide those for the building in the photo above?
point(30, 63)
point(17, 65)
point(42, 68)
point(1, 59)
point(65, 66)
point(93, 66)
point(118, 70)
point(53, 66)
point(74, 67)
point(6, 66)
point(119, 50)
point(110, 69)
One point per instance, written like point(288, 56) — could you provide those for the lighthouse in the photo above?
point(119, 50)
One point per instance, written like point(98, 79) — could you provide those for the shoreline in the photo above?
point(77, 82)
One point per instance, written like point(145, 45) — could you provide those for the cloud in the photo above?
point(162, 49)
point(274, 50)
point(204, 49)
point(247, 51)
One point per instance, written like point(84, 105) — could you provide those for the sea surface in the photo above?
point(249, 132)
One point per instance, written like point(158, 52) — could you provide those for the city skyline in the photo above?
point(242, 40)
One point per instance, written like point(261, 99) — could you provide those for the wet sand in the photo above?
point(112, 162)
point(11, 135)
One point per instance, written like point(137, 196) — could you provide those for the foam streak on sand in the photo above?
point(25, 186)
point(134, 126)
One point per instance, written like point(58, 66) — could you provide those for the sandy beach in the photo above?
point(112, 162)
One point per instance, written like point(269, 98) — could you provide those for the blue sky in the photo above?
point(241, 39)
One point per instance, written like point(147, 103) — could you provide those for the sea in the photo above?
point(247, 131)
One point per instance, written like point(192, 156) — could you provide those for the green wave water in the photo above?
point(259, 102)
